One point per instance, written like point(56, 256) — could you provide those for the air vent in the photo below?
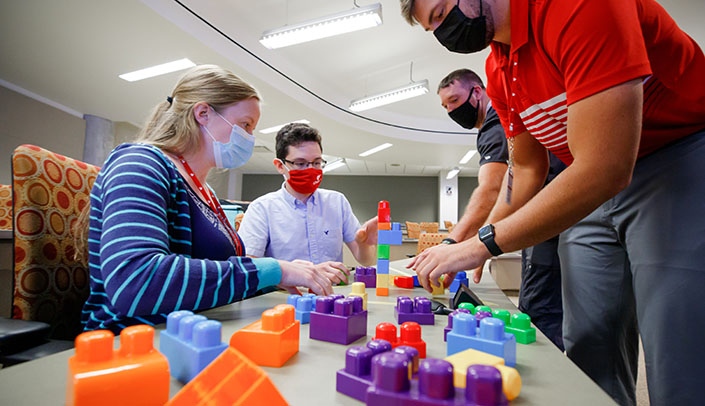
point(262, 149)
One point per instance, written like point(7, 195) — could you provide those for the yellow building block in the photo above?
point(358, 289)
point(511, 380)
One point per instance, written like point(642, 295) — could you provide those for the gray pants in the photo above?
point(637, 265)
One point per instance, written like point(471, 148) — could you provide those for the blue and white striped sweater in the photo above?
point(146, 231)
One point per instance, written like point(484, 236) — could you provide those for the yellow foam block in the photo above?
point(358, 289)
point(511, 380)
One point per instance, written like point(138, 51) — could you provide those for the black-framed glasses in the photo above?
point(303, 164)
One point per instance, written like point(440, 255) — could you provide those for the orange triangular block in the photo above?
point(231, 379)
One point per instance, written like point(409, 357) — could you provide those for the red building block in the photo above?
point(272, 340)
point(231, 379)
point(383, 212)
point(409, 334)
point(406, 282)
point(135, 373)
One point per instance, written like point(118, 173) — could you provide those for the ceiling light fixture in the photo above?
point(392, 96)
point(334, 165)
point(466, 158)
point(358, 18)
point(279, 127)
point(157, 70)
point(376, 149)
point(452, 173)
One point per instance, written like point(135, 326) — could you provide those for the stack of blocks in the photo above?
point(388, 233)
point(231, 379)
point(366, 275)
point(418, 310)
point(190, 343)
point(272, 340)
point(489, 337)
point(518, 324)
point(338, 319)
point(409, 335)
point(136, 373)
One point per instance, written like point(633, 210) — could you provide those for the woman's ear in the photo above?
point(201, 111)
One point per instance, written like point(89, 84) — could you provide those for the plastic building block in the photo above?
point(231, 379)
point(271, 340)
point(382, 288)
point(417, 284)
point(303, 305)
point(136, 373)
point(434, 386)
point(449, 327)
point(390, 237)
point(366, 275)
point(409, 334)
point(518, 324)
point(467, 306)
point(338, 320)
point(383, 212)
point(358, 289)
point(489, 337)
point(382, 266)
point(406, 282)
point(356, 377)
point(461, 278)
point(418, 310)
point(511, 381)
point(382, 251)
point(190, 343)
point(384, 226)
point(437, 290)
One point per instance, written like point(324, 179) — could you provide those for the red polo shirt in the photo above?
point(563, 51)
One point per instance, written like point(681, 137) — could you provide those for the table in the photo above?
point(308, 378)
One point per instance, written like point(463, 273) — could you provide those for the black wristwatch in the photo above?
point(448, 241)
point(486, 235)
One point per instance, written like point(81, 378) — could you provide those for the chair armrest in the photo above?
point(16, 335)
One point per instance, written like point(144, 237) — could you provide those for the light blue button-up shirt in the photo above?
point(280, 226)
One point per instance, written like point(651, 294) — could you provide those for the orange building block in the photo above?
point(231, 379)
point(136, 373)
point(272, 340)
point(384, 226)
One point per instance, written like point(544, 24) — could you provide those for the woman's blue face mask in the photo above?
point(237, 151)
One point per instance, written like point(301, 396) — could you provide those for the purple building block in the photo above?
point(303, 305)
point(366, 275)
point(391, 384)
point(418, 310)
point(356, 377)
point(338, 320)
point(489, 337)
point(449, 327)
point(190, 343)
point(460, 279)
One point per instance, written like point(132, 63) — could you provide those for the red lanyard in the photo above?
point(215, 206)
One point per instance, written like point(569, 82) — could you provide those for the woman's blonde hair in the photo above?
point(172, 125)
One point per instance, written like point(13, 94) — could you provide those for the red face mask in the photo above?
point(305, 181)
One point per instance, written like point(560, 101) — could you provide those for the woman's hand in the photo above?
point(304, 273)
point(336, 272)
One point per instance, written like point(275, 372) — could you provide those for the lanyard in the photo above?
point(215, 206)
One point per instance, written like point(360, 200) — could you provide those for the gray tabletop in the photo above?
point(308, 378)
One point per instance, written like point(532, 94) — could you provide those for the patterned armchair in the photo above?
point(5, 207)
point(428, 240)
point(50, 192)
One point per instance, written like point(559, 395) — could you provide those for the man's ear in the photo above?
point(201, 111)
point(279, 166)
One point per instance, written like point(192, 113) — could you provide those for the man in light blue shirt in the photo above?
point(301, 221)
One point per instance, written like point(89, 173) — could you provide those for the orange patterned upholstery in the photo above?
point(5, 207)
point(429, 227)
point(50, 191)
point(412, 229)
point(428, 240)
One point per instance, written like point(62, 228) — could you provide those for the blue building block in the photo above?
point(303, 305)
point(418, 310)
point(489, 337)
point(190, 343)
point(389, 237)
point(337, 319)
point(391, 384)
point(382, 267)
point(417, 284)
point(460, 279)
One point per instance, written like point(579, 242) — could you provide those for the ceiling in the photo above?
point(71, 52)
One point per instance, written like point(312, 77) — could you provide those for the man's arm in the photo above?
point(603, 135)
point(483, 198)
point(364, 246)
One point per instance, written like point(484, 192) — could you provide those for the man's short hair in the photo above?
point(294, 134)
point(461, 75)
point(407, 8)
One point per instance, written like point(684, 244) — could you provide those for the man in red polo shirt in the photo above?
point(615, 90)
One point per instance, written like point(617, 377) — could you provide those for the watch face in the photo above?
point(485, 232)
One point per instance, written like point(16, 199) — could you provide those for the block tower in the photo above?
point(388, 234)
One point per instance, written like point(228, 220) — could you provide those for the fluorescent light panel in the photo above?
point(279, 127)
point(356, 19)
point(157, 70)
point(466, 158)
point(452, 173)
point(376, 149)
point(334, 165)
point(392, 96)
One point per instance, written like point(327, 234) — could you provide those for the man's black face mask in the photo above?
point(461, 34)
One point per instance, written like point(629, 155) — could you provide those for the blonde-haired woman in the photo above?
point(158, 239)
